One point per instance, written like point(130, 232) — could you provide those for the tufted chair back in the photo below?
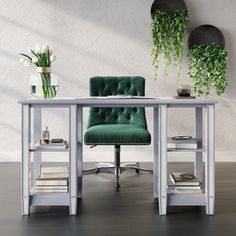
point(107, 86)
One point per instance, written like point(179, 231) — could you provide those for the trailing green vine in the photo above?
point(168, 33)
point(207, 67)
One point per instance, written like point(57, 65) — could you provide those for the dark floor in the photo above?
point(131, 211)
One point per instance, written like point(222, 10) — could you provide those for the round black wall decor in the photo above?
point(168, 5)
point(206, 34)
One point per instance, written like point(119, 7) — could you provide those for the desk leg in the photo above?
point(73, 136)
point(37, 136)
point(25, 163)
point(155, 144)
point(162, 160)
point(210, 159)
point(80, 151)
point(198, 165)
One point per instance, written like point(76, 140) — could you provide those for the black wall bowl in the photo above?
point(168, 5)
point(206, 34)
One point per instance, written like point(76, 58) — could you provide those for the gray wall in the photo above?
point(102, 37)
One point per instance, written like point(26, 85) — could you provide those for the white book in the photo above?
point(51, 182)
point(54, 170)
point(188, 143)
point(52, 144)
point(184, 192)
point(187, 187)
point(52, 191)
point(184, 179)
point(39, 146)
point(52, 187)
point(54, 175)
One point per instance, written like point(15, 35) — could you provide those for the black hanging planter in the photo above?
point(169, 26)
point(206, 34)
point(207, 60)
point(168, 5)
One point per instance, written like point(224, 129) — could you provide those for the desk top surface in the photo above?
point(92, 101)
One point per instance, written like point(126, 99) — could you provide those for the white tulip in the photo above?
point(30, 49)
point(52, 57)
point(26, 63)
point(38, 49)
point(44, 48)
point(34, 59)
point(22, 60)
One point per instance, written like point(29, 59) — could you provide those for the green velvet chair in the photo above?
point(119, 125)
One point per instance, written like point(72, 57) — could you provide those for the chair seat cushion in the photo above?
point(116, 134)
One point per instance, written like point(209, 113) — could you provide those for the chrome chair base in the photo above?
point(117, 168)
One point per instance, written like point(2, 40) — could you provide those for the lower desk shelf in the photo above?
point(198, 199)
point(53, 199)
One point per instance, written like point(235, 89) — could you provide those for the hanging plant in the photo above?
point(207, 67)
point(168, 33)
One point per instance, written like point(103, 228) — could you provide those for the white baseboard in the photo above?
point(101, 155)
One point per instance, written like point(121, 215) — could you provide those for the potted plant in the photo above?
point(43, 84)
point(169, 27)
point(207, 60)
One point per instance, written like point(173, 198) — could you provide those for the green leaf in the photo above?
point(207, 68)
point(24, 55)
point(168, 34)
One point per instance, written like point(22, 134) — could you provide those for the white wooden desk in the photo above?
point(160, 107)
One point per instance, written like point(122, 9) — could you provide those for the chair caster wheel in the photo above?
point(117, 186)
point(137, 171)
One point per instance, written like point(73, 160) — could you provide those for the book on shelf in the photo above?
point(52, 182)
point(43, 146)
point(188, 187)
point(188, 143)
point(184, 192)
point(54, 172)
point(62, 143)
point(51, 190)
point(53, 187)
point(54, 175)
point(184, 179)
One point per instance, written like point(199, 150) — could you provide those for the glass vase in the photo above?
point(44, 84)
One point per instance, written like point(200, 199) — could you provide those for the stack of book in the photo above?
point(184, 183)
point(53, 179)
